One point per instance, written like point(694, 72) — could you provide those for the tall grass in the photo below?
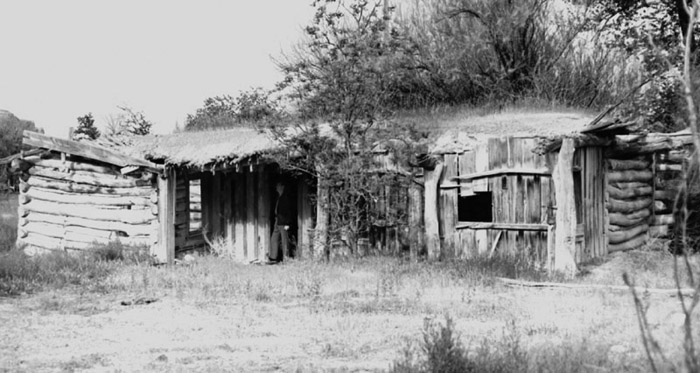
point(20, 273)
point(8, 221)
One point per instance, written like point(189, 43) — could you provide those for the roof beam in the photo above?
point(86, 150)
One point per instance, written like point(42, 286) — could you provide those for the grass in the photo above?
point(370, 314)
point(8, 221)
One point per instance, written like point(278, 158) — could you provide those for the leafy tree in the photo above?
point(135, 122)
point(345, 76)
point(651, 33)
point(248, 108)
point(86, 128)
point(11, 129)
point(128, 122)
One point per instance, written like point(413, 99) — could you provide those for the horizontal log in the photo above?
point(629, 185)
point(628, 164)
point(505, 171)
point(86, 198)
point(90, 178)
point(621, 150)
point(60, 231)
point(503, 226)
point(47, 242)
point(618, 193)
point(629, 220)
point(84, 149)
point(665, 219)
point(632, 244)
point(60, 165)
point(665, 195)
point(620, 236)
point(669, 167)
point(628, 206)
point(89, 212)
point(676, 156)
point(659, 231)
point(71, 221)
point(67, 186)
point(629, 176)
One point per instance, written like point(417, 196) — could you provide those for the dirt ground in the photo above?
point(349, 326)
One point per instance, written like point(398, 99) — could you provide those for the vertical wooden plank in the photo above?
point(565, 234)
point(449, 205)
point(305, 218)
point(182, 210)
point(167, 190)
point(206, 204)
point(239, 216)
point(320, 243)
point(467, 165)
point(481, 163)
point(431, 218)
point(227, 201)
point(216, 210)
point(251, 230)
point(546, 200)
point(263, 217)
point(415, 220)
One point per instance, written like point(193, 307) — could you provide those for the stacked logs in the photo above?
point(630, 198)
point(72, 203)
point(669, 167)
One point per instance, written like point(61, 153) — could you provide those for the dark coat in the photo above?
point(284, 214)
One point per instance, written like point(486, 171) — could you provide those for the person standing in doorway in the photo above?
point(279, 242)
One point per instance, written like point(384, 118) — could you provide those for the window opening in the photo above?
point(195, 205)
point(476, 208)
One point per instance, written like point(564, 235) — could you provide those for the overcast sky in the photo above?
point(62, 59)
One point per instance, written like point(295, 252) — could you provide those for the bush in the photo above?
point(442, 351)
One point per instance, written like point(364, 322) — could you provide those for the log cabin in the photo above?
point(557, 188)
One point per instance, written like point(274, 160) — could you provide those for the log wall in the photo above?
point(644, 176)
point(71, 203)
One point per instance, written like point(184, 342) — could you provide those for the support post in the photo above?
point(431, 219)
point(565, 230)
point(322, 220)
point(415, 220)
point(165, 250)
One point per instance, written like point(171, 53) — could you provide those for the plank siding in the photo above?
point(239, 216)
point(251, 235)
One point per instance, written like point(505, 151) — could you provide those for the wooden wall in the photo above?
point(591, 240)
point(236, 212)
point(516, 198)
point(71, 202)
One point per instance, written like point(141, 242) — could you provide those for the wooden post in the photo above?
point(322, 220)
point(430, 219)
point(165, 250)
point(263, 221)
point(415, 219)
point(239, 216)
point(449, 198)
point(305, 218)
point(227, 200)
point(565, 230)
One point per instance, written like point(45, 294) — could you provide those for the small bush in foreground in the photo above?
point(442, 351)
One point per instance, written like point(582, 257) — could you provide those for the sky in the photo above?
point(63, 59)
